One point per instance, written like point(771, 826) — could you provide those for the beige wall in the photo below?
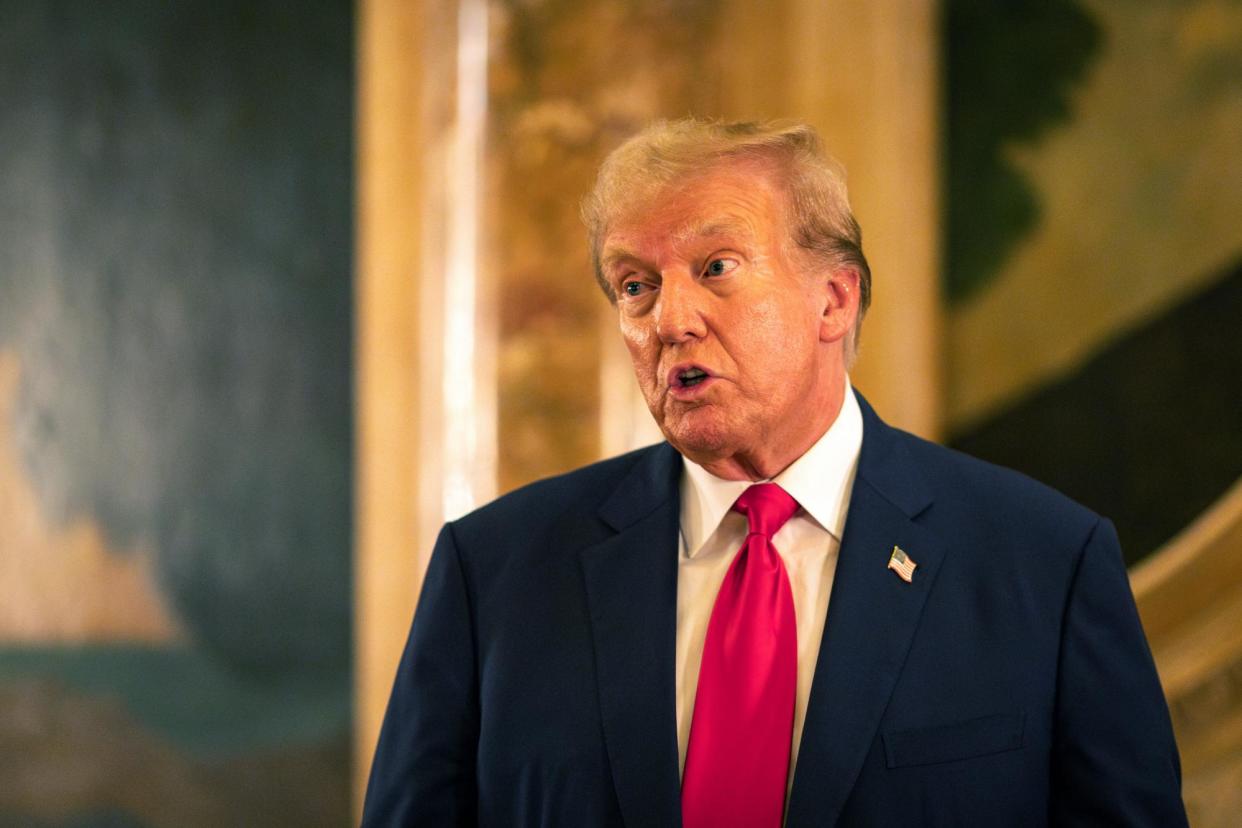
point(390, 183)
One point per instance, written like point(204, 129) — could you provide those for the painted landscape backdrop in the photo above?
point(1093, 250)
point(175, 304)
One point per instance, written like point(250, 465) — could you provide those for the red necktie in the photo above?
point(737, 761)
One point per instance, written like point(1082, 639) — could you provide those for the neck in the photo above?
point(775, 453)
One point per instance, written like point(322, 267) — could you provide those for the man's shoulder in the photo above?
point(967, 487)
point(578, 493)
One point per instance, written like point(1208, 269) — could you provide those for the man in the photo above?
point(789, 611)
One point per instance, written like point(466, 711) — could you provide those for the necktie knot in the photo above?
point(767, 508)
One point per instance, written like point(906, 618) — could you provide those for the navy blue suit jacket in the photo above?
point(1009, 685)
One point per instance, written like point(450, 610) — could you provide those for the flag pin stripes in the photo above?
point(902, 564)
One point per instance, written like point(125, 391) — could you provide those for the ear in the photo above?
point(840, 304)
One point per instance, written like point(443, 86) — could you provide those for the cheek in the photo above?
point(769, 327)
point(779, 339)
point(639, 340)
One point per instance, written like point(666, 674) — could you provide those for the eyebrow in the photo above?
point(616, 255)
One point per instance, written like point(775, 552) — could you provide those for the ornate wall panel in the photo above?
point(1190, 598)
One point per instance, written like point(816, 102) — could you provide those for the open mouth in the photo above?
point(691, 378)
point(688, 376)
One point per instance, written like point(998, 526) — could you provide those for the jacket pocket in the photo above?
point(960, 740)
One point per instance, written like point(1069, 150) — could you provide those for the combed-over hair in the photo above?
point(821, 222)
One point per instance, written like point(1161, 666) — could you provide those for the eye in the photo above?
point(632, 288)
point(719, 267)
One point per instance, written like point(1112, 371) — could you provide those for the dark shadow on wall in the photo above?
point(1148, 432)
point(1009, 72)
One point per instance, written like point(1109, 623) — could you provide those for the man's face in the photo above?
point(736, 342)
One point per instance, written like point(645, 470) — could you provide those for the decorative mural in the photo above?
point(1011, 73)
point(175, 304)
point(1093, 255)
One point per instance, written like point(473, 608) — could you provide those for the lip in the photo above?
point(681, 392)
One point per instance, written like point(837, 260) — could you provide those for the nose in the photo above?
point(679, 312)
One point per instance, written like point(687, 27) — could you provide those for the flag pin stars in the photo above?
point(902, 564)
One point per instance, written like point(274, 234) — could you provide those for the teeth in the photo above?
point(691, 376)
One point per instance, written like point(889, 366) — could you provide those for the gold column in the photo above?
point(389, 199)
point(868, 73)
point(425, 350)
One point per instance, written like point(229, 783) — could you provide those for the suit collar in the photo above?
point(872, 618)
point(631, 588)
point(886, 464)
point(651, 481)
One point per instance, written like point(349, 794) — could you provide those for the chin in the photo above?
point(701, 441)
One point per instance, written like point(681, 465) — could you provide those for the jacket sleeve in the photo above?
point(1114, 758)
point(424, 767)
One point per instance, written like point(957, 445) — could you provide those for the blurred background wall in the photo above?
point(175, 417)
point(1050, 196)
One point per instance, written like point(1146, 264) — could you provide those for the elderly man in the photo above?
point(788, 612)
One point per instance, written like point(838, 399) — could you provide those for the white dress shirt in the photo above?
point(711, 535)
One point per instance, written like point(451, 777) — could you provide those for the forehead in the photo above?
point(735, 200)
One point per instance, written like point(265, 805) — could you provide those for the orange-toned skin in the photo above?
point(705, 274)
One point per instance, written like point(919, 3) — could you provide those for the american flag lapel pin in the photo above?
point(902, 564)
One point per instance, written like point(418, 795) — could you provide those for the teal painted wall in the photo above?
point(175, 290)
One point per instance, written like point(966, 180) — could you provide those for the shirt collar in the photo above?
point(820, 480)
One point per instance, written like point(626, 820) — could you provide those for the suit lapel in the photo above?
point(631, 587)
point(872, 617)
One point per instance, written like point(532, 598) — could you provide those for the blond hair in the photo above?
point(821, 222)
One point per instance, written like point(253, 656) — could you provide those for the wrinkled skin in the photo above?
point(705, 275)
